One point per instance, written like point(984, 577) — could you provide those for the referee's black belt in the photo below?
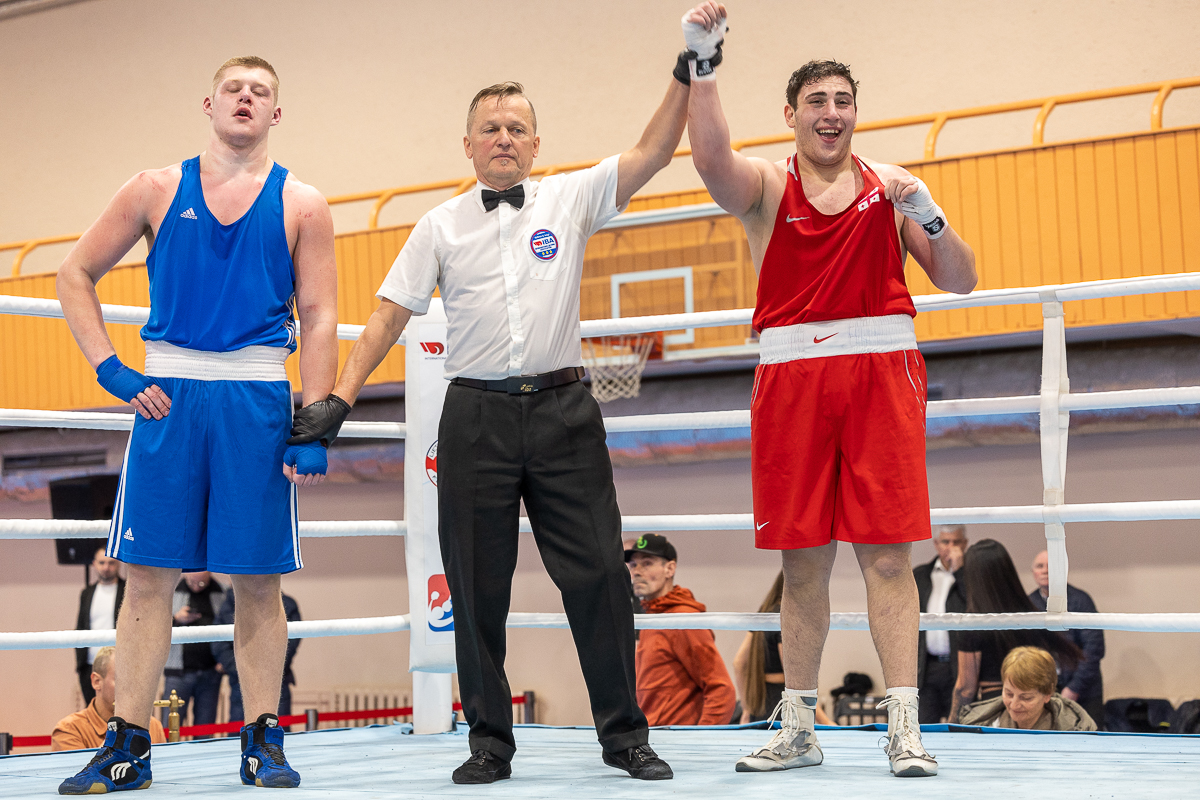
point(525, 384)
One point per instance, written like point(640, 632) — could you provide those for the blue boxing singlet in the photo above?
point(219, 287)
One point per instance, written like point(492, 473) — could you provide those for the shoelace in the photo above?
point(644, 754)
point(101, 754)
point(275, 753)
point(478, 757)
point(910, 740)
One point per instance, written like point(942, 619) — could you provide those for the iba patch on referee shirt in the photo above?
point(544, 244)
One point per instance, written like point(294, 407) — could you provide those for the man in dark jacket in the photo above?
point(99, 605)
point(939, 587)
point(191, 668)
point(223, 653)
point(1082, 684)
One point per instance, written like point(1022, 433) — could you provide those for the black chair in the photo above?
point(1186, 718)
point(1138, 715)
point(858, 709)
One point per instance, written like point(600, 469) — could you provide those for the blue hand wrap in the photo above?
point(308, 459)
point(121, 381)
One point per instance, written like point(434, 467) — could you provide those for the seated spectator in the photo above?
point(223, 653)
point(1028, 700)
point(681, 679)
point(85, 729)
point(1083, 684)
point(993, 587)
point(758, 666)
point(191, 668)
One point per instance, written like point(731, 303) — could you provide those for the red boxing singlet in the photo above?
point(822, 267)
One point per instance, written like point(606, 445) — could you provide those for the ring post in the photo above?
point(1054, 422)
point(431, 636)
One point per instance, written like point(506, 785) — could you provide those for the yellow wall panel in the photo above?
point(1109, 208)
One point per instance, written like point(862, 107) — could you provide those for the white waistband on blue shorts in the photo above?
point(837, 337)
point(254, 363)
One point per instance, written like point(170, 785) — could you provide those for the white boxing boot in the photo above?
point(794, 744)
point(904, 748)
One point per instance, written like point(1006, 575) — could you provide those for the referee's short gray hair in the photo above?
point(499, 90)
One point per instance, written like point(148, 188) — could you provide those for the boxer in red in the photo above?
point(838, 412)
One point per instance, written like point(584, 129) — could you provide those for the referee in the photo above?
point(517, 424)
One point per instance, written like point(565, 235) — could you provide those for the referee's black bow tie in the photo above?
point(514, 196)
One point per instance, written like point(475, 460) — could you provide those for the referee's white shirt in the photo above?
point(509, 278)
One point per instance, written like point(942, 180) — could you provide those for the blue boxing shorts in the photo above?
point(203, 488)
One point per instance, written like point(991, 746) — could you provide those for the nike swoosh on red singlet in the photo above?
point(823, 338)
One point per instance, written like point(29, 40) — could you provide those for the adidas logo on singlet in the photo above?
point(189, 214)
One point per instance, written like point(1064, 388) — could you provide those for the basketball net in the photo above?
point(616, 363)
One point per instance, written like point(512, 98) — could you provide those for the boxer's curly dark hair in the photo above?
point(815, 71)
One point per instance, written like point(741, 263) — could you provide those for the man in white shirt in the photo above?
point(939, 590)
point(517, 424)
point(98, 607)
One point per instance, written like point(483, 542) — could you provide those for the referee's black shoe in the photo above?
point(482, 767)
point(640, 762)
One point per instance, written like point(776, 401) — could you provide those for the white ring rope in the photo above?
point(98, 529)
point(116, 421)
point(1088, 290)
point(696, 420)
point(304, 629)
point(1137, 511)
point(720, 621)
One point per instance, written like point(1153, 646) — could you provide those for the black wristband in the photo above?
point(682, 72)
point(935, 228)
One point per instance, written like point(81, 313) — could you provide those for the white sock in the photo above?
point(902, 690)
point(809, 696)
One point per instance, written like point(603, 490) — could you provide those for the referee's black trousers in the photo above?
point(547, 448)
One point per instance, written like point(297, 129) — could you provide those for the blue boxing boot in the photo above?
point(122, 763)
point(263, 762)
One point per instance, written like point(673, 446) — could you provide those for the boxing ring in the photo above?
point(554, 761)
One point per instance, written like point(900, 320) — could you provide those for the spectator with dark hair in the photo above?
point(1083, 684)
point(1028, 700)
point(758, 666)
point(191, 668)
point(681, 678)
point(993, 587)
point(85, 729)
point(99, 605)
point(226, 665)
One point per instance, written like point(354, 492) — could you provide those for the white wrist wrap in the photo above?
point(920, 208)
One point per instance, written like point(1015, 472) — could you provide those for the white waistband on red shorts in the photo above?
point(254, 363)
point(837, 337)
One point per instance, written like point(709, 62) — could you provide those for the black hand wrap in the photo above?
point(319, 421)
point(684, 75)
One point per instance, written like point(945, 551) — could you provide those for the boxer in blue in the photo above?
point(238, 248)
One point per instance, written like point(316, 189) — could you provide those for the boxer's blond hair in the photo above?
point(248, 62)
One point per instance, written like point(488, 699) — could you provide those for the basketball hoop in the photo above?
point(616, 363)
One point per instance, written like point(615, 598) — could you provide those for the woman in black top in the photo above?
point(993, 587)
point(758, 666)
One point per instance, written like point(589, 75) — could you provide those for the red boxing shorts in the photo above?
point(837, 434)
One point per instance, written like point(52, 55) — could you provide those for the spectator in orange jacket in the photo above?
point(85, 729)
point(681, 679)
